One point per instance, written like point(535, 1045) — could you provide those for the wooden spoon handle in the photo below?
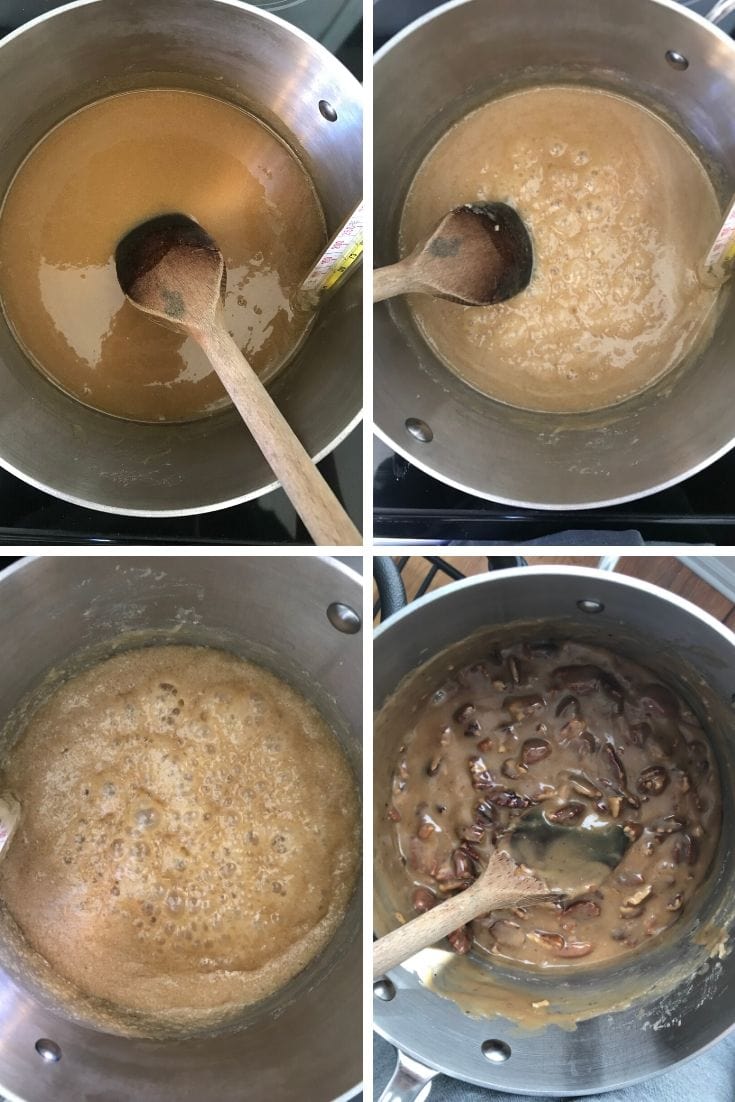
point(292, 465)
point(395, 279)
point(428, 928)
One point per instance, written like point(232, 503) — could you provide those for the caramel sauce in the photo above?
point(588, 740)
point(189, 832)
point(113, 165)
point(621, 214)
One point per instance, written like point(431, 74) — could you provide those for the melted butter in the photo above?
point(176, 855)
point(607, 190)
point(113, 165)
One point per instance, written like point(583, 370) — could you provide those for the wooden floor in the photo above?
point(665, 571)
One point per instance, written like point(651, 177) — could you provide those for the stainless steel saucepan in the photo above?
point(299, 617)
point(455, 57)
point(684, 997)
point(65, 60)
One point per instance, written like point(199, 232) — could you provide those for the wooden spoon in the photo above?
point(502, 884)
point(171, 269)
point(478, 255)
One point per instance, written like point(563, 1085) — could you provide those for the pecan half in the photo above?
point(534, 750)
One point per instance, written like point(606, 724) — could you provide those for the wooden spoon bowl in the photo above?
point(172, 270)
point(480, 254)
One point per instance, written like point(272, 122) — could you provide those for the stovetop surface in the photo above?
point(29, 516)
point(411, 505)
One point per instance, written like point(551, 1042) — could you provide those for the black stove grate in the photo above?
point(437, 565)
point(410, 504)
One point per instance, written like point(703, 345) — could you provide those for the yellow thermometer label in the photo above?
point(339, 257)
point(722, 252)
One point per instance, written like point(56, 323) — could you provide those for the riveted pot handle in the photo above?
point(391, 589)
point(410, 1082)
point(720, 11)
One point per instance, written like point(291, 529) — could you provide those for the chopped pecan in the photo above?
point(462, 865)
point(571, 730)
point(510, 799)
point(423, 900)
point(686, 849)
point(669, 824)
point(474, 833)
point(639, 896)
point(567, 813)
point(520, 707)
point(583, 908)
point(481, 776)
point(486, 811)
point(464, 713)
point(575, 949)
point(461, 940)
point(653, 780)
point(544, 937)
point(568, 707)
point(534, 750)
point(514, 667)
point(584, 786)
point(631, 910)
point(613, 758)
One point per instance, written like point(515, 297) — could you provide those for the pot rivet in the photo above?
point(419, 430)
point(497, 1052)
point(327, 111)
point(384, 989)
point(344, 618)
point(590, 606)
point(676, 60)
point(48, 1051)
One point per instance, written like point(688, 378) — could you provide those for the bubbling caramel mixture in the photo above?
point(117, 163)
point(584, 740)
point(621, 214)
point(189, 832)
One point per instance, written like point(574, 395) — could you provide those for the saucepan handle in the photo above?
point(720, 11)
point(410, 1082)
point(392, 592)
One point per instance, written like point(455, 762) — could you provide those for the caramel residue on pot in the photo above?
point(715, 939)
